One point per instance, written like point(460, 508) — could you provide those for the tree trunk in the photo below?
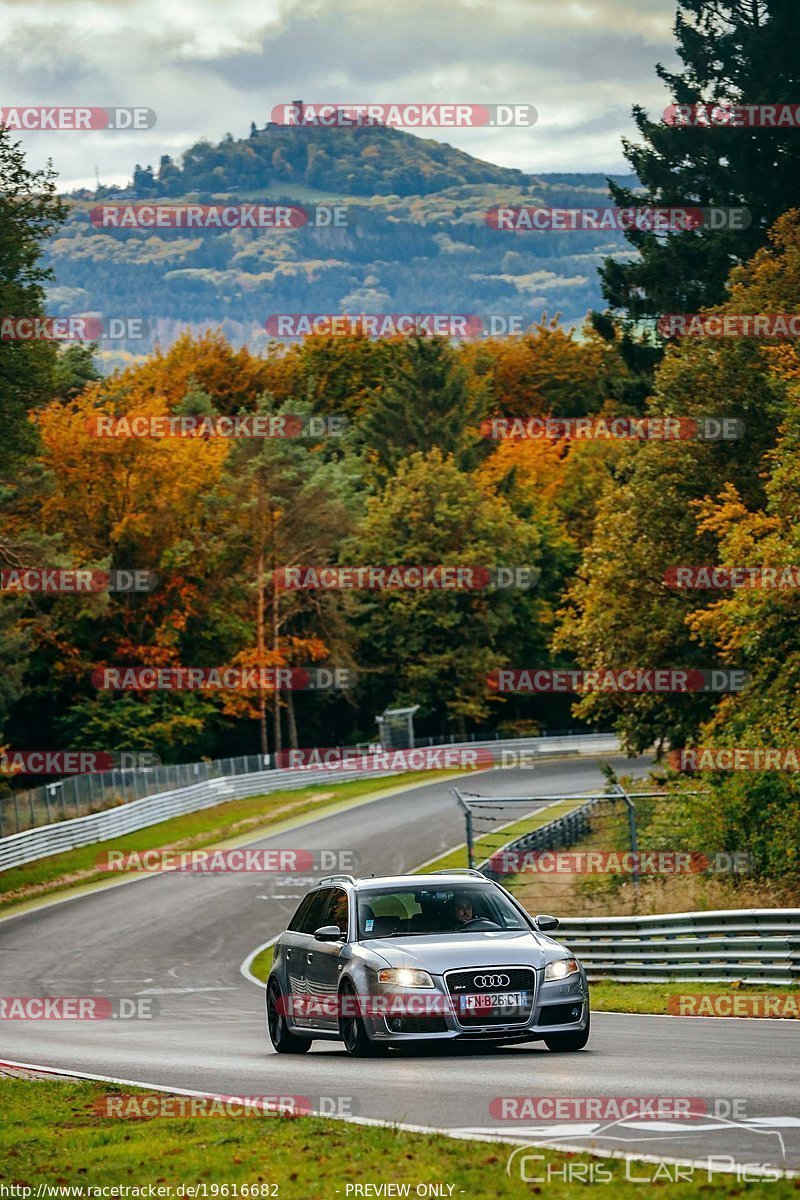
point(275, 639)
point(260, 605)
point(290, 719)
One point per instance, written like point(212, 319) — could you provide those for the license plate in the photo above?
point(490, 1000)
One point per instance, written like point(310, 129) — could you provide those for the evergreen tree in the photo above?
point(30, 213)
point(426, 399)
point(736, 52)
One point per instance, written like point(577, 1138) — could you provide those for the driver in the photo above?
point(462, 910)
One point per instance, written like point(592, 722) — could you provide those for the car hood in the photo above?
point(437, 952)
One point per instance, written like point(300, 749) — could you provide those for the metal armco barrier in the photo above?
point(751, 945)
point(25, 847)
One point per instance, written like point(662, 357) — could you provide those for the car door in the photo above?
point(296, 943)
point(324, 960)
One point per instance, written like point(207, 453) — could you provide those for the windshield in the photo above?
point(387, 912)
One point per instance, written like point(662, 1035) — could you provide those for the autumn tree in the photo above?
point(620, 612)
point(436, 647)
point(282, 502)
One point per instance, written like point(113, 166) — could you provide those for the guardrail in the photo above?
point(752, 945)
point(31, 844)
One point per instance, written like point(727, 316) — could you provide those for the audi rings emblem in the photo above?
point(491, 981)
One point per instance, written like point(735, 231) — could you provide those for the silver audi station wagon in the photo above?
point(449, 956)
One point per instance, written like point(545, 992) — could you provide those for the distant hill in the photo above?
point(416, 239)
point(366, 161)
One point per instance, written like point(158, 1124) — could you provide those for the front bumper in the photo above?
point(558, 1007)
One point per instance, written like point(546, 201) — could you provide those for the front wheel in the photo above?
point(351, 1027)
point(566, 1043)
point(282, 1039)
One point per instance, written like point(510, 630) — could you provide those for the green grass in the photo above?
point(243, 819)
point(260, 966)
point(610, 996)
point(52, 1134)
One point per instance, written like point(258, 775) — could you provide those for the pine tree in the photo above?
point(426, 399)
point(30, 213)
point(737, 52)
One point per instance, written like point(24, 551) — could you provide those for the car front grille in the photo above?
point(491, 980)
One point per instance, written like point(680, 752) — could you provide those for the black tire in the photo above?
point(568, 1043)
point(351, 1028)
point(280, 1036)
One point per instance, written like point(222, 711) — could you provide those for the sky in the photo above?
point(208, 67)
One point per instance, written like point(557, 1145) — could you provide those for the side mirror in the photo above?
point(328, 933)
point(544, 923)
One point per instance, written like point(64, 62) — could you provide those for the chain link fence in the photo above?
point(79, 795)
point(560, 853)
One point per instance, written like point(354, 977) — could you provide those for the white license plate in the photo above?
point(487, 1000)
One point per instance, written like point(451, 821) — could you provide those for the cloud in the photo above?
point(208, 68)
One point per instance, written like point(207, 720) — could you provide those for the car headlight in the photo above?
point(405, 977)
point(561, 968)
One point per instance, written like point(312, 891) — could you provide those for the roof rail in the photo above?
point(460, 871)
point(331, 878)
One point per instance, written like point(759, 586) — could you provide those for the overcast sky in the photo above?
point(212, 66)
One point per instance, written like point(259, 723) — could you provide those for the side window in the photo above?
point(296, 922)
point(337, 911)
point(306, 919)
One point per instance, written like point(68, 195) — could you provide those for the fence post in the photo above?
point(468, 815)
point(632, 826)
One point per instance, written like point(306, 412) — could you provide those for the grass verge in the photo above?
point(608, 995)
point(52, 1134)
point(243, 819)
point(260, 966)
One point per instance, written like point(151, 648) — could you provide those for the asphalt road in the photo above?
point(179, 940)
